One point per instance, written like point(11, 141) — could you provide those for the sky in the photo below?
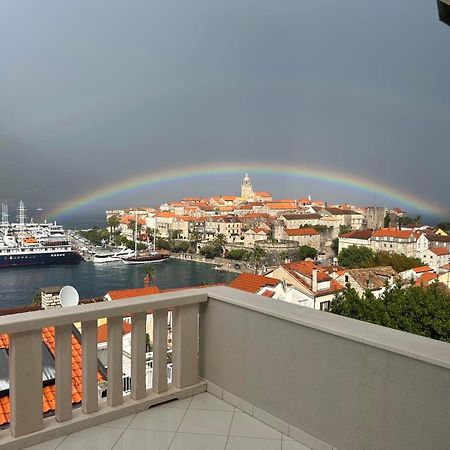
point(94, 92)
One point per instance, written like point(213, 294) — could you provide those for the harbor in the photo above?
point(18, 285)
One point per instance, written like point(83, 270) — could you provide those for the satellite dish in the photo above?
point(68, 296)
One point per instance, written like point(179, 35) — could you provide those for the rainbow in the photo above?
point(209, 170)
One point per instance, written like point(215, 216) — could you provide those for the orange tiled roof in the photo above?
point(422, 269)
point(268, 294)
point(263, 194)
point(306, 268)
point(102, 331)
point(129, 293)
point(392, 232)
point(301, 232)
point(425, 278)
point(48, 392)
point(272, 205)
point(439, 251)
point(252, 283)
point(165, 214)
point(445, 267)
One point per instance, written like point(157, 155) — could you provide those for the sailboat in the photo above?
point(145, 257)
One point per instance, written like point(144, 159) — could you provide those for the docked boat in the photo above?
point(28, 243)
point(145, 257)
point(112, 255)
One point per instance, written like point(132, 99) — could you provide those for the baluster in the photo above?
point(63, 372)
point(25, 382)
point(185, 346)
point(115, 373)
point(159, 351)
point(138, 351)
point(89, 403)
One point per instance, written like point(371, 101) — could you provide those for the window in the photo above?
point(325, 306)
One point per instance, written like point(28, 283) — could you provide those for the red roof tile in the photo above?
point(301, 232)
point(392, 232)
point(439, 251)
point(129, 293)
point(102, 331)
point(48, 392)
point(422, 269)
point(425, 278)
point(252, 283)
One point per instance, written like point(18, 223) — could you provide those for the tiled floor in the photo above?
point(202, 422)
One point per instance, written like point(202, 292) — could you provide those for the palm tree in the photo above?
point(195, 237)
point(220, 241)
point(257, 256)
point(113, 222)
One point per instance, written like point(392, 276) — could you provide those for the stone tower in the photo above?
point(246, 188)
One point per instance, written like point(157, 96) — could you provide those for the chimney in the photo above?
point(314, 284)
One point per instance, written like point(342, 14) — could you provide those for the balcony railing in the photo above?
point(327, 381)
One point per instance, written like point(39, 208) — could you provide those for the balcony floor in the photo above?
point(199, 422)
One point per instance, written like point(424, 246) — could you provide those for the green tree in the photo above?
point(305, 251)
point(387, 220)
point(422, 310)
point(220, 241)
point(237, 254)
point(344, 229)
point(257, 257)
point(211, 251)
point(354, 257)
point(444, 226)
point(397, 261)
point(195, 237)
point(113, 222)
point(37, 299)
point(335, 245)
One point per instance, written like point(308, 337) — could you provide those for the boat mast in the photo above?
point(4, 215)
point(21, 216)
point(135, 233)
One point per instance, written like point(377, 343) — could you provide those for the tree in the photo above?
point(113, 222)
point(397, 261)
point(335, 245)
point(422, 310)
point(195, 237)
point(344, 229)
point(211, 251)
point(237, 254)
point(387, 220)
point(220, 240)
point(444, 225)
point(257, 256)
point(37, 299)
point(354, 257)
point(305, 251)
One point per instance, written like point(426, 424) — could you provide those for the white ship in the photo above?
point(28, 243)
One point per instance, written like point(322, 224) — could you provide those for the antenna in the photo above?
point(68, 296)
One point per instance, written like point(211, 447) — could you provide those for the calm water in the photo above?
point(18, 285)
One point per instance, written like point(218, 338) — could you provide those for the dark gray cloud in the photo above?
point(92, 92)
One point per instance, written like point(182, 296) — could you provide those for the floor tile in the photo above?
point(48, 445)
point(189, 441)
point(145, 439)
point(158, 419)
point(119, 423)
point(247, 426)
point(206, 422)
point(248, 443)
point(208, 401)
point(92, 438)
point(293, 445)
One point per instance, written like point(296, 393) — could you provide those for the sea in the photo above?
point(18, 285)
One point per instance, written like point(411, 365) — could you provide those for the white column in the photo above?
point(159, 351)
point(89, 403)
point(138, 351)
point(63, 372)
point(25, 382)
point(185, 346)
point(115, 373)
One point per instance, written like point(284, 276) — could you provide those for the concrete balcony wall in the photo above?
point(346, 383)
